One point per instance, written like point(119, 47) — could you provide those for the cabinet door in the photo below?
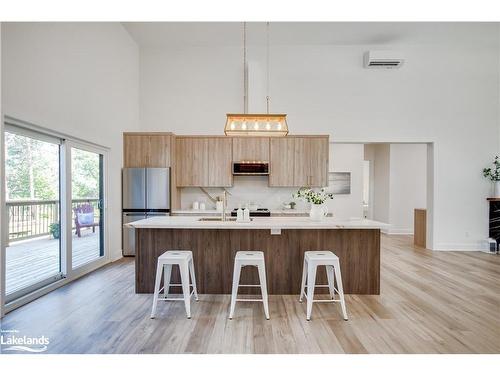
point(135, 151)
point(159, 151)
point(192, 161)
point(250, 148)
point(281, 161)
point(318, 154)
point(219, 162)
point(302, 163)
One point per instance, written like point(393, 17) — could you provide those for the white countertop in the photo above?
point(192, 222)
point(210, 211)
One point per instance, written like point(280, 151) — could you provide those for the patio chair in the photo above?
point(84, 218)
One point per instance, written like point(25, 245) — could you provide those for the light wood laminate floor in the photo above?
point(430, 302)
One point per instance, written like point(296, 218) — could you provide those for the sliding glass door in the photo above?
point(33, 252)
point(55, 205)
point(86, 205)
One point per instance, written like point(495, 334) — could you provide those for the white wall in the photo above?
point(80, 79)
point(439, 96)
point(408, 185)
point(398, 184)
point(382, 183)
point(348, 158)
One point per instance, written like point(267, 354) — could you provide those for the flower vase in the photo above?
point(318, 212)
point(496, 190)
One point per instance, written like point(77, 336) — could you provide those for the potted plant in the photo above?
point(494, 175)
point(317, 200)
point(55, 230)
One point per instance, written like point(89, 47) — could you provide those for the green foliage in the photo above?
point(493, 173)
point(55, 230)
point(309, 195)
point(32, 170)
point(31, 167)
point(85, 174)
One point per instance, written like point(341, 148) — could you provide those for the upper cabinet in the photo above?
point(142, 150)
point(299, 161)
point(281, 161)
point(220, 161)
point(318, 155)
point(250, 148)
point(206, 161)
point(203, 161)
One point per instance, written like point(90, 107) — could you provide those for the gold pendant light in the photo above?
point(255, 124)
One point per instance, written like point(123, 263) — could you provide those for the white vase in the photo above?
point(496, 191)
point(318, 212)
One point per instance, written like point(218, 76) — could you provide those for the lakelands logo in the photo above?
point(11, 340)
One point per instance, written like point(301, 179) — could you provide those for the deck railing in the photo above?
point(32, 218)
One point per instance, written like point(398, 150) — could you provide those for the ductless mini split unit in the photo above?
point(383, 60)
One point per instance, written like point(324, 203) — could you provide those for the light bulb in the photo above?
point(244, 125)
point(268, 126)
point(279, 125)
point(232, 125)
point(256, 125)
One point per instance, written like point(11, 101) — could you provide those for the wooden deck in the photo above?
point(31, 261)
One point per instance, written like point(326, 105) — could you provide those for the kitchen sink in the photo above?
point(218, 219)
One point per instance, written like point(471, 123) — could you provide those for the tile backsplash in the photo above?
point(245, 189)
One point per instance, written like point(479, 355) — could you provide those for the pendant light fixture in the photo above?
point(255, 124)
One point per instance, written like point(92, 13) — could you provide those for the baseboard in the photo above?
point(478, 246)
point(400, 231)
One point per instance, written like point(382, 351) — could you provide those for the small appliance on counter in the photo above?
point(253, 213)
point(145, 193)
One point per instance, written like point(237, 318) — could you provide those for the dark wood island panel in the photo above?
point(214, 251)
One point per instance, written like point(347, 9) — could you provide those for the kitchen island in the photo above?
point(282, 239)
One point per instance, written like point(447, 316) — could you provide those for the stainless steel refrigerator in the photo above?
point(145, 193)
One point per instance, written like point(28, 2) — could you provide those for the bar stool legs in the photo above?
point(313, 259)
point(183, 259)
point(249, 258)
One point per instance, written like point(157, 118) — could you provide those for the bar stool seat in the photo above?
point(255, 259)
point(313, 259)
point(183, 259)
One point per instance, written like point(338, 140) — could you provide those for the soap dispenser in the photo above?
point(239, 214)
point(246, 214)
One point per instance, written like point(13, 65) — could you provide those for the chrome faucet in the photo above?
point(224, 204)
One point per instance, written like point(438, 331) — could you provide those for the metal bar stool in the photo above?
point(243, 259)
point(313, 259)
point(183, 259)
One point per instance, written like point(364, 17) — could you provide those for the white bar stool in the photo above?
point(249, 258)
point(313, 259)
point(183, 259)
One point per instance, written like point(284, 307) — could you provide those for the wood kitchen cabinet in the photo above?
point(219, 162)
point(281, 161)
point(143, 150)
point(204, 161)
point(299, 161)
point(250, 148)
point(318, 155)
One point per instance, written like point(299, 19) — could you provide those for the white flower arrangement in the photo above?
point(311, 196)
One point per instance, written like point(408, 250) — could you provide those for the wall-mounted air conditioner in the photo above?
point(383, 60)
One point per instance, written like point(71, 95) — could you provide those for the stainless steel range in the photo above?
point(258, 212)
